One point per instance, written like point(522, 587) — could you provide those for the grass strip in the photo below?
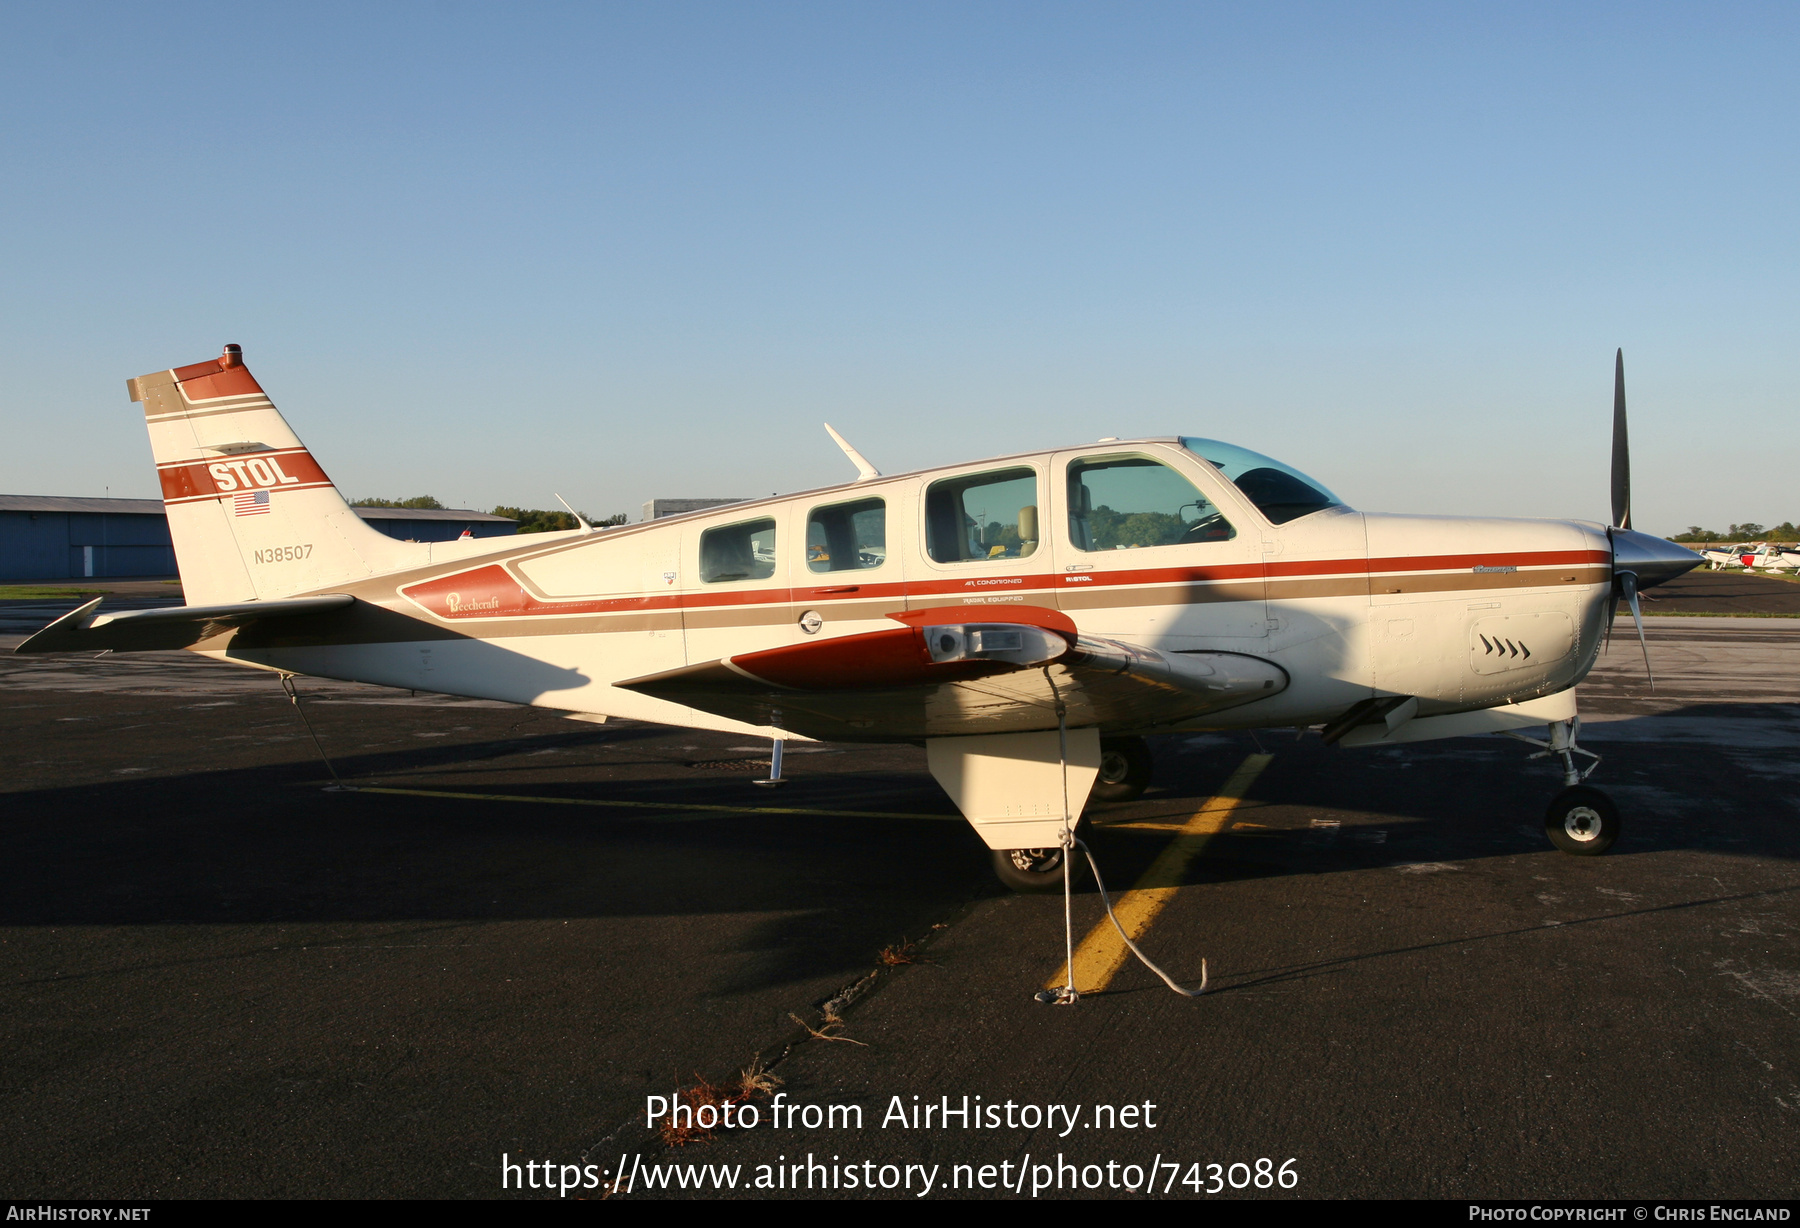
point(13, 592)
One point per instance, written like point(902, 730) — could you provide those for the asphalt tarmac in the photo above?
point(219, 980)
point(1726, 592)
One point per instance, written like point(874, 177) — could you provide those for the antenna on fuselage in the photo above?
point(864, 470)
point(585, 526)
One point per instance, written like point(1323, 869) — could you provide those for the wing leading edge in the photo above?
point(937, 679)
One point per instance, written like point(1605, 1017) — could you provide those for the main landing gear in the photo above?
point(1031, 871)
point(1581, 820)
point(1125, 767)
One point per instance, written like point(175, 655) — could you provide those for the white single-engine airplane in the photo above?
point(1760, 556)
point(1026, 618)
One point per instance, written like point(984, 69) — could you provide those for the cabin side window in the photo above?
point(982, 516)
point(1133, 502)
point(847, 536)
point(738, 552)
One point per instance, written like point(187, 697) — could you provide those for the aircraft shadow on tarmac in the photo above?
point(264, 846)
point(1260, 978)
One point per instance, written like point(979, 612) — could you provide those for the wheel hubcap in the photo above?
point(1113, 768)
point(1036, 861)
point(1582, 823)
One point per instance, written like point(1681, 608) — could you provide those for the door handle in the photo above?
point(848, 588)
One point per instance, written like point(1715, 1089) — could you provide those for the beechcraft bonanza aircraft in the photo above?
point(1027, 618)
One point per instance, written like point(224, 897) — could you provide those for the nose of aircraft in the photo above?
point(1653, 559)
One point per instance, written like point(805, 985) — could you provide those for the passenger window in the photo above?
point(738, 552)
point(982, 516)
point(1131, 502)
point(847, 536)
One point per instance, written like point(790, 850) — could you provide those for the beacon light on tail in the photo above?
point(1028, 618)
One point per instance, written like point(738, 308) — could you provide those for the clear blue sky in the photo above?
point(491, 252)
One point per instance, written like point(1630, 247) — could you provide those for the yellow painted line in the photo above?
point(1101, 954)
point(1180, 824)
point(663, 806)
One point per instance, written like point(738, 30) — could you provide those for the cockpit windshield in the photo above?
point(1280, 492)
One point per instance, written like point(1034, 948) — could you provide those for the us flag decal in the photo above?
point(251, 502)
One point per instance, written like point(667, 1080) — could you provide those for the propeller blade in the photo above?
point(1621, 450)
point(1612, 603)
point(1628, 586)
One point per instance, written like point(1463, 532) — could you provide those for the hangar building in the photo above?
point(656, 509)
point(439, 524)
point(49, 537)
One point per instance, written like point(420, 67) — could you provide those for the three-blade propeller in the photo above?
point(1625, 583)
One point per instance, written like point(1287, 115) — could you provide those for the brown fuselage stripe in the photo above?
point(489, 590)
point(400, 622)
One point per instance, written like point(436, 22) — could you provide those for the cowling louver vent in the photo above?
point(1520, 641)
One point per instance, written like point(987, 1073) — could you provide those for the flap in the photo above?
point(904, 684)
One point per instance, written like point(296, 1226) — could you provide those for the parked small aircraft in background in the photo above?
point(1769, 557)
point(1760, 556)
point(1026, 618)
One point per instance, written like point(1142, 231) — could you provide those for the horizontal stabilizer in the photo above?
point(83, 630)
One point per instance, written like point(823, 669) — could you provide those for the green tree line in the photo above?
point(419, 501)
point(1749, 531)
point(531, 519)
point(537, 520)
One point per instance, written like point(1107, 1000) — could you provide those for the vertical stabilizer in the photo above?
point(251, 513)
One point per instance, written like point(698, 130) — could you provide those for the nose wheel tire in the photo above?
point(1125, 767)
point(1582, 821)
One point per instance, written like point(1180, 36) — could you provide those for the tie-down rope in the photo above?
point(336, 785)
point(1068, 995)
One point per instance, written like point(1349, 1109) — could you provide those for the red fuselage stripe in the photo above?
point(492, 592)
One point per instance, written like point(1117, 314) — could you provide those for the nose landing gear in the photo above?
point(1581, 820)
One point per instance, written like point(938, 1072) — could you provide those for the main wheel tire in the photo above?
point(1125, 767)
point(1030, 871)
point(1582, 821)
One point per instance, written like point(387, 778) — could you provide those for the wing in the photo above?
point(177, 627)
point(958, 679)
